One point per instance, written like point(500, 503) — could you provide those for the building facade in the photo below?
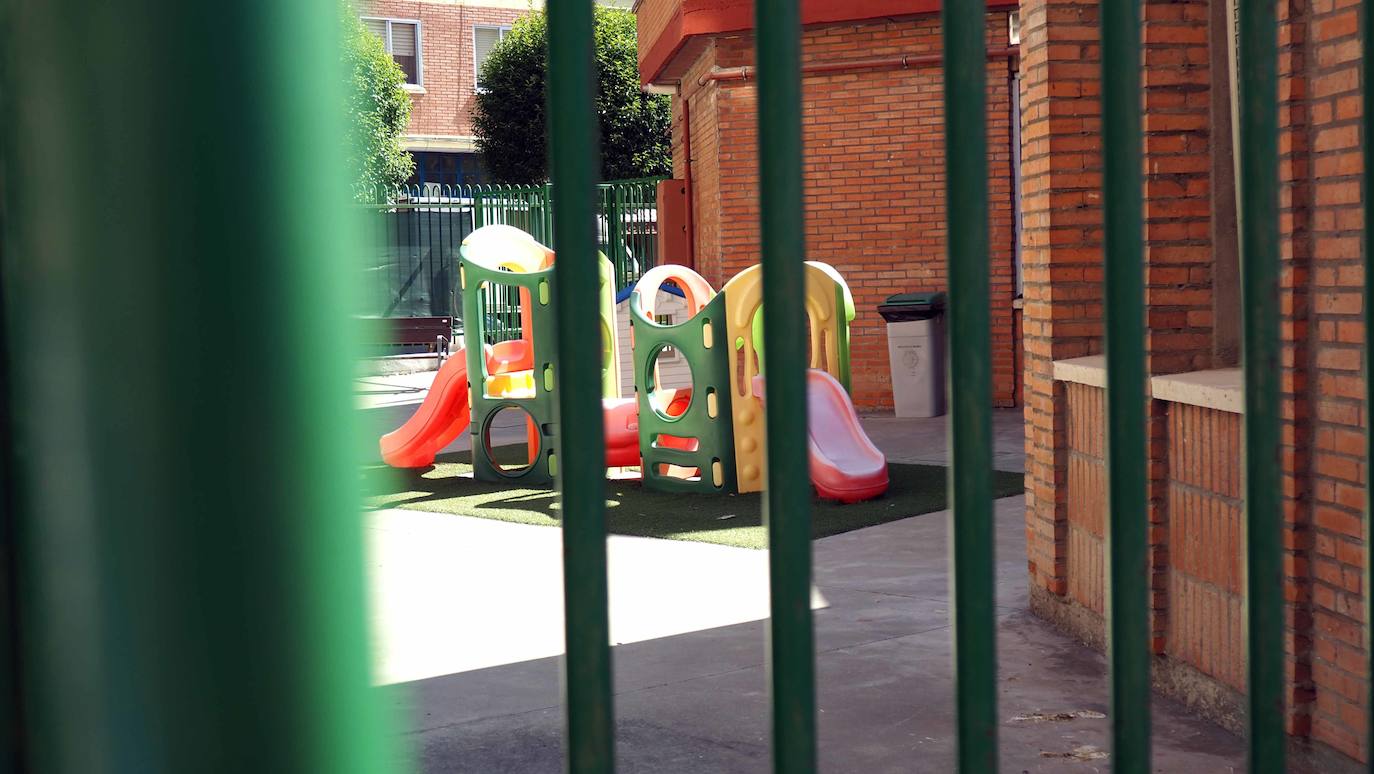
point(1193, 319)
point(874, 134)
point(441, 44)
point(875, 208)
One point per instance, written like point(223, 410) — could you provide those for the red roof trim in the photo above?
point(713, 17)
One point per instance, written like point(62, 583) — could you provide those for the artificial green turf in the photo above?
point(733, 520)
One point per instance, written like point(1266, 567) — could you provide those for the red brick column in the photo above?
point(1176, 120)
point(1323, 225)
point(1061, 252)
point(1295, 283)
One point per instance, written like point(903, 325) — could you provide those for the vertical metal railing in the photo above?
point(1127, 517)
point(280, 656)
point(415, 232)
point(970, 385)
point(1259, 237)
point(574, 163)
point(787, 499)
point(190, 558)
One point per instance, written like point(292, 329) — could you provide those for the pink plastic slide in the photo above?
point(845, 465)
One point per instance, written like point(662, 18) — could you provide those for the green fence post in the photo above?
point(1128, 561)
point(970, 385)
point(787, 500)
point(574, 162)
point(184, 469)
point(12, 731)
point(1259, 215)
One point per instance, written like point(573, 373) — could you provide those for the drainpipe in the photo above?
point(687, 176)
point(825, 68)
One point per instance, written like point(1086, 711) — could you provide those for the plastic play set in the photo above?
point(706, 437)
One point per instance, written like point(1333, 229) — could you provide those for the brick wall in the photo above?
point(1061, 210)
point(1087, 505)
point(1195, 453)
point(1205, 628)
point(1177, 203)
point(446, 51)
point(1324, 226)
point(874, 173)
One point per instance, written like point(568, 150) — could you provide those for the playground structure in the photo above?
point(704, 436)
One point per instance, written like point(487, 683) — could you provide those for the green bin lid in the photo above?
point(935, 300)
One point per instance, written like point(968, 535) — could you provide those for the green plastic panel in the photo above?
point(543, 406)
point(710, 375)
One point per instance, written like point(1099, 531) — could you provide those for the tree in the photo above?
point(378, 111)
point(509, 118)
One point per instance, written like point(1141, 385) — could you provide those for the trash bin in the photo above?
point(916, 352)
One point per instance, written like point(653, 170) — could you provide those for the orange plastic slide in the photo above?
point(441, 417)
point(622, 431)
point(445, 413)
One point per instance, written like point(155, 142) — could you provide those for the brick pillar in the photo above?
point(1061, 251)
point(1176, 118)
point(1177, 230)
point(1325, 469)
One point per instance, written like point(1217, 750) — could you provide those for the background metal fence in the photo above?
point(414, 233)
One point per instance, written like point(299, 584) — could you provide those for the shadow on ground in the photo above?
point(698, 703)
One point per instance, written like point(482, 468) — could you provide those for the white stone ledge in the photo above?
point(1090, 370)
point(1219, 388)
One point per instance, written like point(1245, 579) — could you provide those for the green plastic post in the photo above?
point(542, 406)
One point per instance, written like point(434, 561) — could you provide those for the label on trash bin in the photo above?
point(909, 354)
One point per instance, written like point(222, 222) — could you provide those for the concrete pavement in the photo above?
point(690, 680)
point(468, 628)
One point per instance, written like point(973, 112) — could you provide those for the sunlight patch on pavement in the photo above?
point(450, 594)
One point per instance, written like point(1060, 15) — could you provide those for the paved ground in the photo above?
point(472, 626)
point(468, 628)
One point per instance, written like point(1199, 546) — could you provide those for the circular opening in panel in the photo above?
point(669, 382)
point(511, 440)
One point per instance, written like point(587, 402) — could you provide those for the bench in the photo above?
point(436, 332)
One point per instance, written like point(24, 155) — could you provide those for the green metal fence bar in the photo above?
point(970, 385)
point(574, 162)
point(1128, 562)
point(787, 501)
point(1367, 128)
point(1259, 285)
point(190, 552)
point(12, 734)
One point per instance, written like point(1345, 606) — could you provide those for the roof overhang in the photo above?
point(672, 33)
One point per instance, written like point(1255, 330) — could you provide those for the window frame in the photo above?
point(504, 29)
point(419, 44)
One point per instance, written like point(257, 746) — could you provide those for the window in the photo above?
point(402, 39)
point(434, 170)
point(484, 39)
